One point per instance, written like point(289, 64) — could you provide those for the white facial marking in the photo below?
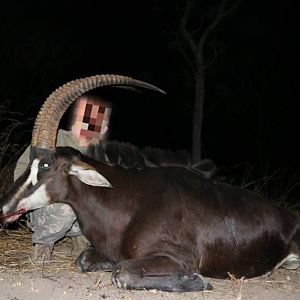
point(37, 199)
point(32, 178)
point(34, 171)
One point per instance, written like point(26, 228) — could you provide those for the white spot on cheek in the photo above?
point(37, 199)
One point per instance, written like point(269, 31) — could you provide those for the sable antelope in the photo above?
point(155, 228)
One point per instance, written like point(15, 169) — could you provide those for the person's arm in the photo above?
point(22, 163)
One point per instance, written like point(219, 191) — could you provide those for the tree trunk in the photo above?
point(197, 64)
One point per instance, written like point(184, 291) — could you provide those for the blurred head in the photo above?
point(90, 118)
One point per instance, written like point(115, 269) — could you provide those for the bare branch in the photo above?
point(210, 60)
point(183, 24)
point(197, 30)
point(190, 63)
point(176, 44)
point(221, 13)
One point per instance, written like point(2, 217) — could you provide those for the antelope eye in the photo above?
point(45, 165)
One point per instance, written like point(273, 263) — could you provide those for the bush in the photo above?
point(281, 186)
point(13, 136)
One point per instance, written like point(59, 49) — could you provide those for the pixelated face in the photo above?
point(90, 120)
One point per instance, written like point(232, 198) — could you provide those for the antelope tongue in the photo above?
point(11, 217)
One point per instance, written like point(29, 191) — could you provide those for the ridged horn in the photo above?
point(50, 114)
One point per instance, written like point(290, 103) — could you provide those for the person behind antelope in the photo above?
point(89, 123)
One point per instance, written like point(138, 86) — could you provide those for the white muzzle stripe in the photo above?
point(32, 199)
point(37, 199)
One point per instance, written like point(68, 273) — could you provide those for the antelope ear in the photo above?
point(88, 175)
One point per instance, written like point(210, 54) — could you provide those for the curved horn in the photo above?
point(50, 114)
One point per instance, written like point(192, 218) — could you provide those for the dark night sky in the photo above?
point(252, 87)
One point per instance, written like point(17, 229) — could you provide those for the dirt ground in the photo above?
point(21, 279)
point(70, 285)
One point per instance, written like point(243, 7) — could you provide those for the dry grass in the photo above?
point(282, 186)
point(285, 281)
point(16, 250)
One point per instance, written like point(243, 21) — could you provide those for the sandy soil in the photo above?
point(21, 279)
point(69, 285)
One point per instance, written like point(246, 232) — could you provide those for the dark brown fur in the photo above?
point(171, 222)
point(191, 220)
